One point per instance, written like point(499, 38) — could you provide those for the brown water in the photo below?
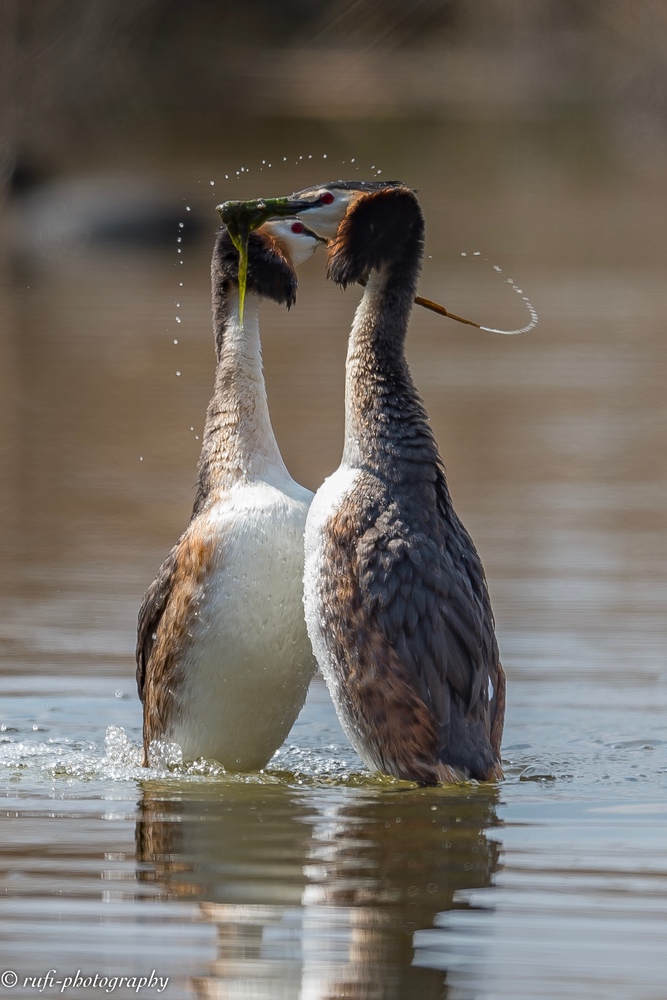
point(314, 879)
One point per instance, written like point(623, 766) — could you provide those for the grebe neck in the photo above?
point(385, 420)
point(238, 444)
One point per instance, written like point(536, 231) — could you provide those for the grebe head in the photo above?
point(328, 204)
point(297, 241)
point(381, 227)
point(274, 251)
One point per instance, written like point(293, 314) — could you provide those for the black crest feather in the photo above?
point(374, 232)
point(271, 273)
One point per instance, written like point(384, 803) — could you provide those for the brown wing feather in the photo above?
point(165, 619)
point(482, 647)
point(373, 691)
point(416, 601)
point(150, 615)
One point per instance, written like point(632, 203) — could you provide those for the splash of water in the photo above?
point(534, 318)
point(120, 760)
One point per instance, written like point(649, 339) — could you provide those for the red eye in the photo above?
point(298, 227)
point(327, 198)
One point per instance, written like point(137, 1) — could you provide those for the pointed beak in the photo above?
point(320, 239)
point(323, 213)
point(244, 216)
point(250, 215)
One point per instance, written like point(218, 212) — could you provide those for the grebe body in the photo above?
point(396, 600)
point(223, 658)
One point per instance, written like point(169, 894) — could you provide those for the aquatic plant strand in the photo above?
point(240, 241)
point(242, 217)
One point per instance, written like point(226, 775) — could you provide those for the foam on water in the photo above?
point(119, 759)
point(579, 763)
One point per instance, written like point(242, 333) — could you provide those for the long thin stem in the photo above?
point(240, 241)
point(441, 311)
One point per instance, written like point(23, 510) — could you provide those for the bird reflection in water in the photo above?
point(318, 894)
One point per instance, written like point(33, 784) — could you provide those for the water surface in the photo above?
point(315, 879)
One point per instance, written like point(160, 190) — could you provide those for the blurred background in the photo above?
point(85, 80)
point(536, 134)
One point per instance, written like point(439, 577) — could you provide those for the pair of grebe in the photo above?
point(396, 604)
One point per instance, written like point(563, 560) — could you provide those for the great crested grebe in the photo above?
point(396, 600)
point(223, 658)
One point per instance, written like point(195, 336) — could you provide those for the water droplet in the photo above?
point(379, 171)
point(477, 253)
point(179, 239)
point(212, 183)
point(179, 250)
point(187, 208)
point(180, 284)
point(463, 253)
point(192, 428)
point(196, 437)
point(175, 341)
point(178, 373)
point(353, 159)
point(180, 225)
point(141, 458)
point(324, 156)
point(177, 318)
point(498, 269)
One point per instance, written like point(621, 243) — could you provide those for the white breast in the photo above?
point(247, 669)
point(327, 502)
